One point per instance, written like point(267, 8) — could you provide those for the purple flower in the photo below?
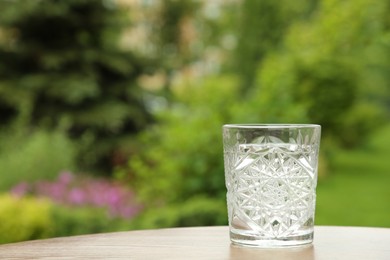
point(21, 189)
point(65, 178)
point(76, 196)
point(53, 190)
point(72, 190)
point(128, 212)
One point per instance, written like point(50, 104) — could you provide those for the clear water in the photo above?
point(271, 194)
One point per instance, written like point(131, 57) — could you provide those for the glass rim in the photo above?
point(267, 126)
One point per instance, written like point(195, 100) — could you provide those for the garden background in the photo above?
point(111, 111)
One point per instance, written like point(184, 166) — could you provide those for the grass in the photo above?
point(357, 192)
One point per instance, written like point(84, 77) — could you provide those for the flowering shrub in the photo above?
point(24, 218)
point(70, 190)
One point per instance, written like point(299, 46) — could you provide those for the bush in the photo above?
point(70, 221)
point(361, 120)
point(315, 76)
point(64, 68)
point(70, 190)
point(40, 155)
point(198, 211)
point(79, 205)
point(330, 70)
point(29, 218)
point(182, 156)
point(24, 219)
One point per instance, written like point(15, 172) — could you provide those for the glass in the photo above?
point(271, 179)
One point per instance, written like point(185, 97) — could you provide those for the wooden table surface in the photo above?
point(202, 243)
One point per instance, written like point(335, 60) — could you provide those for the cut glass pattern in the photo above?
point(271, 185)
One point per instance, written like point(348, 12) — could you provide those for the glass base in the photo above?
point(257, 241)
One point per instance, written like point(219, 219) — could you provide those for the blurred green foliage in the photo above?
point(332, 78)
point(40, 155)
point(315, 73)
point(69, 98)
point(180, 157)
point(24, 219)
point(77, 221)
point(357, 191)
point(174, 44)
point(261, 28)
point(61, 67)
point(36, 218)
point(197, 211)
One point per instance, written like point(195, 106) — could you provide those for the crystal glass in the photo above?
point(271, 179)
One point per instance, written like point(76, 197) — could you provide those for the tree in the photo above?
point(61, 67)
point(315, 76)
point(325, 68)
point(261, 29)
point(174, 31)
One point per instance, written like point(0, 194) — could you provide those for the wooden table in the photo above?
point(202, 243)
